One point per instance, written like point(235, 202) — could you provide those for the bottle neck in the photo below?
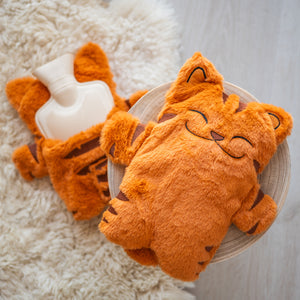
point(64, 90)
point(58, 76)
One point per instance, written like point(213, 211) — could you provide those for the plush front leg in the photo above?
point(122, 136)
point(257, 212)
point(29, 161)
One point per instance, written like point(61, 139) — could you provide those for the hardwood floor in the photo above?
point(255, 45)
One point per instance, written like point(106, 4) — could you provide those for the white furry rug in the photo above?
point(44, 253)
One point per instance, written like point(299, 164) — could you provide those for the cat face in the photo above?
point(240, 130)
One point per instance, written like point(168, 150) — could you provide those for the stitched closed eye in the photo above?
point(201, 113)
point(196, 121)
point(236, 147)
point(243, 138)
point(240, 145)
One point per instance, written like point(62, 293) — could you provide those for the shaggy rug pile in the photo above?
point(44, 253)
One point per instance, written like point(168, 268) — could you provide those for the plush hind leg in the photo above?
point(122, 224)
point(144, 256)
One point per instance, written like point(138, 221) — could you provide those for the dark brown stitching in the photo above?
point(208, 248)
point(86, 147)
point(128, 103)
point(201, 263)
point(86, 169)
point(139, 129)
point(112, 150)
point(166, 117)
point(121, 196)
point(104, 220)
point(256, 165)
point(259, 197)
point(102, 178)
point(252, 230)
point(112, 210)
point(225, 97)
point(101, 165)
point(106, 193)
point(241, 107)
point(33, 151)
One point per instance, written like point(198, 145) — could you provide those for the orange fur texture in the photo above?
point(77, 167)
point(192, 174)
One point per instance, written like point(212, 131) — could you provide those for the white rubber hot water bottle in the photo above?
point(73, 106)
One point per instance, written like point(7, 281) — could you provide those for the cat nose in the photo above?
point(216, 136)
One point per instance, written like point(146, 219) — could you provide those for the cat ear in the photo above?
point(281, 120)
point(17, 88)
point(197, 75)
point(194, 72)
point(199, 69)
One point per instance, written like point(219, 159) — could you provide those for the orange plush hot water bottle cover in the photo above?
point(192, 174)
point(77, 167)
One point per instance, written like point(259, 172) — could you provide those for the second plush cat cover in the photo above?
point(77, 167)
point(192, 174)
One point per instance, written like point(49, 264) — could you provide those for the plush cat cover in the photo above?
point(77, 167)
point(192, 174)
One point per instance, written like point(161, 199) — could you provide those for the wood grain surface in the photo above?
point(255, 45)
